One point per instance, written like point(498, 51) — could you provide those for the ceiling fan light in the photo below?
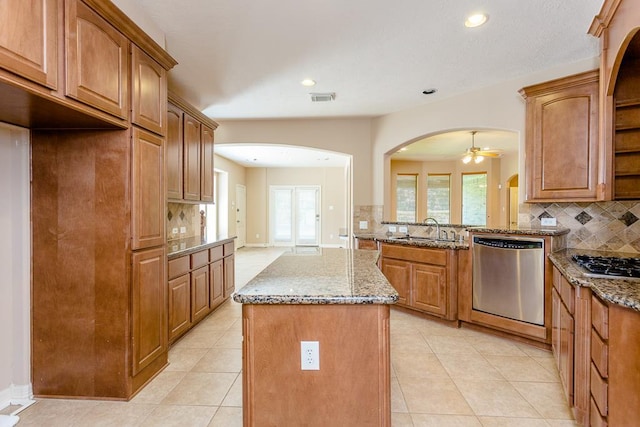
point(466, 159)
point(478, 159)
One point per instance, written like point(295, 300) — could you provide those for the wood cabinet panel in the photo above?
point(430, 288)
point(147, 189)
point(191, 165)
point(562, 117)
point(199, 259)
point(149, 329)
point(599, 354)
point(199, 293)
point(229, 275)
point(179, 266)
point(216, 271)
point(366, 244)
point(599, 391)
point(566, 345)
point(174, 152)
point(216, 253)
point(595, 419)
point(398, 273)
point(29, 40)
point(179, 305)
point(149, 92)
point(600, 317)
point(97, 61)
point(206, 172)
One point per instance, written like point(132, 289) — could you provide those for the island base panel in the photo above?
point(352, 386)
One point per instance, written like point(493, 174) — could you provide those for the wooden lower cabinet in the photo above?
point(229, 275)
point(179, 306)
point(398, 273)
point(197, 284)
point(149, 299)
point(216, 274)
point(366, 244)
point(615, 365)
point(199, 293)
point(424, 278)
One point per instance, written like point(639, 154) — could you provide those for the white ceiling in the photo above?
point(243, 59)
point(271, 155)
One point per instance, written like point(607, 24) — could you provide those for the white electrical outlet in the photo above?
point(403, 229)
point(364, 225)
point(310, 355)
point(257, 236)
point(174, 230)
point(183, 230)
point(549, 222)
point(392, 228)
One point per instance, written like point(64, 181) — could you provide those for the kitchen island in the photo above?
point(339, 299)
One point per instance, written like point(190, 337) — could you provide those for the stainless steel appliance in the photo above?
point(508, 277)
point(609, 267)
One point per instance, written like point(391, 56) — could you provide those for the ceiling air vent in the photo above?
point(322, 97)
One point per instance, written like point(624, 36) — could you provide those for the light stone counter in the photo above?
point(618, 291)
point(330, 276)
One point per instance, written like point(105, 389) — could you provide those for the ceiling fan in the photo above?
point(477, 154)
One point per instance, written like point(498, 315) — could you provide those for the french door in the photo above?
point(295, 215)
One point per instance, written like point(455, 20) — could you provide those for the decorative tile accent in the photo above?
point(628, 218)
point(611, 225)
point(182, 215)
point(169, 215)
point(583, 217)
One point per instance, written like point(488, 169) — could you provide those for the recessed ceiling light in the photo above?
point(475, 20)
point(308, 82)
point(430, 91)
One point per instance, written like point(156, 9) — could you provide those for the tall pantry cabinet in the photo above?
point(99, 297)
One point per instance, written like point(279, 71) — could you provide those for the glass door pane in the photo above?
point(474, 198)
point(307, 216)
point(282, 214)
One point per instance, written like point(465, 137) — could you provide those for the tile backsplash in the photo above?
point(183, 215)
point(599, 225)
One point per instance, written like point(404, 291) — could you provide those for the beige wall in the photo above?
point(347, 136)
point(15, 258)
point(333, 215)
point(236, 175)
point(495, 107)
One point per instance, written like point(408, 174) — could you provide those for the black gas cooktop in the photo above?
point(609, 267)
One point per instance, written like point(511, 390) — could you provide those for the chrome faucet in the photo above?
point(445, 234)
point(437, 225)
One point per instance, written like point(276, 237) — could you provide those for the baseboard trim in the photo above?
point(17, 395)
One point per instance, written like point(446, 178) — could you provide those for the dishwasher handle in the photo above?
point(508, 243)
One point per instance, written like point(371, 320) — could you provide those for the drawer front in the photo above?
point(216, 253)
point(599, 353)
point(567, 292)
point(423, 255)
point(556, 278)
point(178, 266)
point(199, 259)
point(600, 317)
point(228, 248)
point(595, 419)
point(599, 391)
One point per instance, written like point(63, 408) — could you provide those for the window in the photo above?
point(474, 198)
point(438, 197)
point(406, 186)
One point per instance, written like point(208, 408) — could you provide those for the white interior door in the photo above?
point(241, 215)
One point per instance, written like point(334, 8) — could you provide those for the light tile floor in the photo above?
point(441, 376)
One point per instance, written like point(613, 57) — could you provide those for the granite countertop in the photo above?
point(418, 241)
point(329, 276)
point(618, 291)
point(552, 231)
point(188, 245)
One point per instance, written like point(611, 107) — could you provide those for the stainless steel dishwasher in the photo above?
point(508, 277)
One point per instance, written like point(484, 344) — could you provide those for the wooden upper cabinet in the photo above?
point(29, 39)
point(192, 152)
point(149, 92)
point(147, 189)
point(97, 66)
point(562, 139)
point(174, 152)
point(206, 173)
